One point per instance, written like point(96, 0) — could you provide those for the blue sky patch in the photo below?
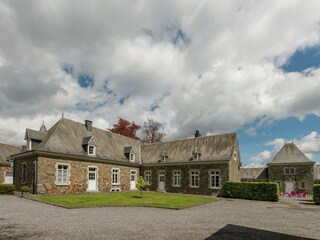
point(303, 59)
point(289, 128)
point(85, 81)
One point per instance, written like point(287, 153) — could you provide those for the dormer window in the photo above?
point(196, 154)
point(130, 153)
point(89, 146)
point(164, 156)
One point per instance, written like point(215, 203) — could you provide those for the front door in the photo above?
point(289, 186)
point(92, 179)
point(8, 178)
point(133, 178)
point(161, 180)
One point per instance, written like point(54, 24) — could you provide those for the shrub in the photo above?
point(25, 189)
point(263, 191)
point(7, 188)
point(316, 193)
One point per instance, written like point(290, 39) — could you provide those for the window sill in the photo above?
point(176, 186)
point(62, 184)
point(193, 186)
point(115, 184)
point(214, 187)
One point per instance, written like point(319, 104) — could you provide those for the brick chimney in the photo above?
point(197, 134)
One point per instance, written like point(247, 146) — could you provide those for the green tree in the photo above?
point(141, 185)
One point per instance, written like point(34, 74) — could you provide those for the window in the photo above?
point(302, 185)
point(62, 174)
point(196, 156)
point(289, 171)
point(164, 158)
point(132, 157)
point(24, 173)
point(176, 178)
point(194, 178)
point(147, 176)
point(214, 178)
point(115, 176)
point(91, 150)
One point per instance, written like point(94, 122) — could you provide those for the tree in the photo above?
point(141, 185)
point(150, 131)
point(125, 128)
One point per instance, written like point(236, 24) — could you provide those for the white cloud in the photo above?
point(205, 65)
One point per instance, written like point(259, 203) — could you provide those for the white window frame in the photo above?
point(132, 157)
point(289, 171)
point(148, 176)
point(212, 185)
point(196, 156)
point(176, 175)
point(94, 150)
point(68, 173)
point(194, 173)
point(24, 175)
point(117, 176)
point(164, 158)
point(29, 144)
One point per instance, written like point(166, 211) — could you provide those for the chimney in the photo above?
point(197, 134)
point(88, 124)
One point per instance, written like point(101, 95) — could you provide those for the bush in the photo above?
point(7, 188)
point(263, 191)
point(25, 189)
point(316, 193)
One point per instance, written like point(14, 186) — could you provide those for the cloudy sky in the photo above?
point(250, 67)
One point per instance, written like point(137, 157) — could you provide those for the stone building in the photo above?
point(6, 170)
point(290, 168)
point(73, 157)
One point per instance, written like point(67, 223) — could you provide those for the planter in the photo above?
point(24, 194)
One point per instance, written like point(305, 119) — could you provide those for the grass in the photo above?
point(149, 199)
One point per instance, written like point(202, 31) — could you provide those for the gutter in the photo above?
point(185, 163)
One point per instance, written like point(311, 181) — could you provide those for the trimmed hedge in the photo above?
point(263, 191)
point(7, 188)
point(316, 193)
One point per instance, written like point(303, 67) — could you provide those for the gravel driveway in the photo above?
point(224, 219)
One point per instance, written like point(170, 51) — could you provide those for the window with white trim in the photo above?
point(62, 174)
point(147, 176)
point(194, 178)
point(115, 176)
point(91, 150)
point(176, 178)
point(214, 178)
point(164, 158)
point(289, 171)
point(24, 172)
point(196, 156)
point(132, 157)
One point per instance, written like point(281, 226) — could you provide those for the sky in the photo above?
point(251, 67)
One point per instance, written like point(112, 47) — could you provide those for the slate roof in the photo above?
point(36, 135)
point(290, 153)
point(68, 136)
point(6, 151)
point(254, 173)
point(212, 148)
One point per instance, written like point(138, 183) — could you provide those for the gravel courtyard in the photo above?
point(224, 219)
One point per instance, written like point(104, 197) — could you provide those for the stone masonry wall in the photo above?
point(17, 173)
point(304, 173)
point(184, 188)
point(79, 176)
point(3, 170)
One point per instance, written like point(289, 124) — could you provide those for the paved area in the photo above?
point(224, 219)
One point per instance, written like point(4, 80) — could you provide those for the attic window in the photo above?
point(164, 156)
point(91, 150)
point(196, 156)
point(132, 157)
point(235, 155)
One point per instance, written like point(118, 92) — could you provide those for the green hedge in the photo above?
point(7, 188)
point(263, 191)
point(316, 193)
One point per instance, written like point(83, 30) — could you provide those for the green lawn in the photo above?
point(149, 199)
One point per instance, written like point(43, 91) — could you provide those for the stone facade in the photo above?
point(44, 172)
point(3, 170)
point(185, 177)
point(302, 179)
point(30, 173)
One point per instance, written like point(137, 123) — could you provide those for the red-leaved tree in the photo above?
point(126, 128)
